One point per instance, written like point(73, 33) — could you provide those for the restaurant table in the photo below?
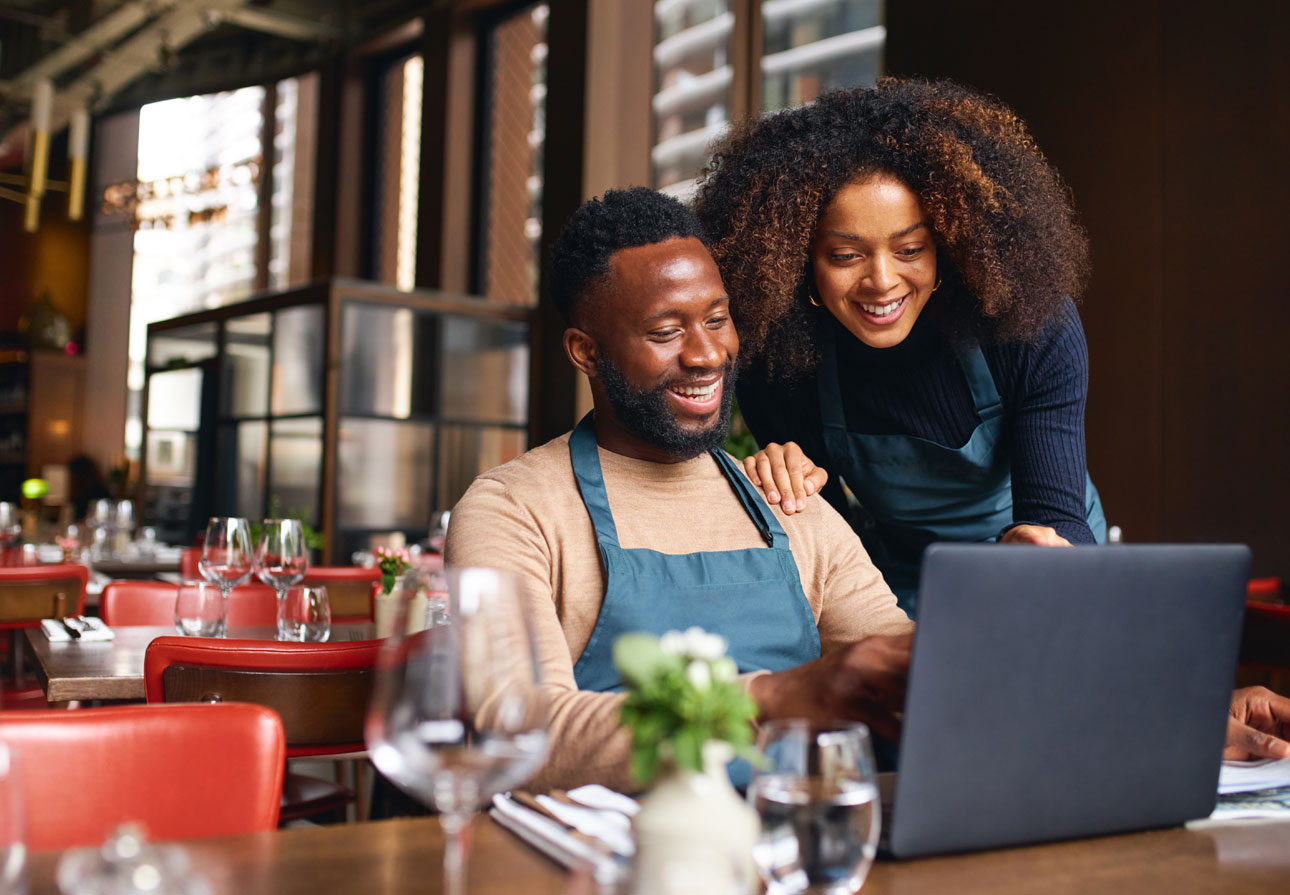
point(113, 669)
point(405, 856)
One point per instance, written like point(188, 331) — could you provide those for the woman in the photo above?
point(901, 261)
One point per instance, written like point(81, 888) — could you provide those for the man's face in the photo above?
point(666, 347)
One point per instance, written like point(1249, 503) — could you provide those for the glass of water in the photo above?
point(201, 610)
point(817, 797)
point(306, 615)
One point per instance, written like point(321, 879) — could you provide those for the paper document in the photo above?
point(1247, 776)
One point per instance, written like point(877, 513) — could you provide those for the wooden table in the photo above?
point(113, 669)
point(403, 856)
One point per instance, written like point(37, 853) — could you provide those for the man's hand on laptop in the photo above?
point(1258, 725)
point(864, 681)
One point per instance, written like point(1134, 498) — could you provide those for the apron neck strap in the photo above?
point(771, 531)
point(585, 456)
point(591, 480)
point(985, 395)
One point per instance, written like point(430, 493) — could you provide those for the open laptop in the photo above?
point(1058, 693)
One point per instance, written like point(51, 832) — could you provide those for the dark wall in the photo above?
point(1169, 123)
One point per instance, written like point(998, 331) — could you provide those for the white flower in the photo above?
point(725, 670)
point(699, 644)
point(672, 643)
point(699, 674)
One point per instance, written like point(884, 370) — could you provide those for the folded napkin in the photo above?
point(582, 835)
point(1249, 776)
point(91, 629)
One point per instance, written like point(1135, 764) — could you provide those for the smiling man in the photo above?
point(637, 520)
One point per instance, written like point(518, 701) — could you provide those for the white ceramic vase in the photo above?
point(694, 834)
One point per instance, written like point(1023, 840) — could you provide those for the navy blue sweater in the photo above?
point(917, 388)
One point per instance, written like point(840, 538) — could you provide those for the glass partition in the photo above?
point(428, 391)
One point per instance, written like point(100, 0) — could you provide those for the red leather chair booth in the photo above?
point(153, 603)
point(28, 594)
point(179, 770)
point(320, 690)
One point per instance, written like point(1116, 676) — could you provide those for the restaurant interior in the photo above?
point(286, 260)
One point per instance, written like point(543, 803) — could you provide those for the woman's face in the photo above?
point(875, 260)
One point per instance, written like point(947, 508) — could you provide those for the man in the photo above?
point(638, 521)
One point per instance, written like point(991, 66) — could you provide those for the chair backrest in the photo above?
point(320, 690)
point(30, 593)
point(349, 589)
point(189, 557)
point(153, 603)
point(179, 770)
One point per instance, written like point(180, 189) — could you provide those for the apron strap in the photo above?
point(826, 378)
point(985, 395)
point(771, 531)
point(591, 480)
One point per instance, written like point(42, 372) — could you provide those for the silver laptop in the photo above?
point(1059, 693)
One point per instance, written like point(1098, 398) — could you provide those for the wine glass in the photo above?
point(817, 797)
point(307, 615)
point(457, 713)
point(201, 610)
point(281, 560)
point(226, 556)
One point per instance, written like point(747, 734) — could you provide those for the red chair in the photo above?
point(28, 594)
point(189, 557)
point(1264, 590)
point(181, 770)
point(320, 690)
point(128, 603)
point(350, 590)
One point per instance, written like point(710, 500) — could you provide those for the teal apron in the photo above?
point(916, 491)
point(753, 598)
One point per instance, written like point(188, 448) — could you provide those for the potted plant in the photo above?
point(688, 716)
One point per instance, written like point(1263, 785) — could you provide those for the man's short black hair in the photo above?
point(622, 219)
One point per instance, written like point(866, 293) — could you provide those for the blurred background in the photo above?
point(286, 256)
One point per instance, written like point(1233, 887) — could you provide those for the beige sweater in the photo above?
point(528, 516)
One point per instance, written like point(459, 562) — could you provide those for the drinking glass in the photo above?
point(13, 849)
point(306, 615)
point(817, 797)
point(226, 556)
point(201, 610)
point(457, 713)
point(281, 560)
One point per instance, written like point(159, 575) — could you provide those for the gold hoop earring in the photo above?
point(810, 294)
point(939, 280)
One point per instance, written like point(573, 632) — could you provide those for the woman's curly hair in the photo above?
point(1009, 247)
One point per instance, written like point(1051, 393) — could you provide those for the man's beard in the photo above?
point(646, 414)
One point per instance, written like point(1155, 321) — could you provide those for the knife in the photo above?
point(76, 635)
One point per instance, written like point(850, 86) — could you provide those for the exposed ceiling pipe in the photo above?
point(96, 38)
point(282, 24)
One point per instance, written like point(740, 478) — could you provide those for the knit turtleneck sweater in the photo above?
point(918, 388)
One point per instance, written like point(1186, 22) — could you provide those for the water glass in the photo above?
point(306, 615)
point(201, 610)
point(817, 797)
point(13, 850)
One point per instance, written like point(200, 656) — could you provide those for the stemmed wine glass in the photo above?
point(281, 560)
point(457, 714)
point(226, 556)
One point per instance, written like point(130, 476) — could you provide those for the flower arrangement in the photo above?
point(393, 562)
point(681, 693)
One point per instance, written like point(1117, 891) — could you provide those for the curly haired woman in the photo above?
point(901, 261)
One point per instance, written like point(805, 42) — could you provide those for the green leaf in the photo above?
point(687, 746)
point(638, 658)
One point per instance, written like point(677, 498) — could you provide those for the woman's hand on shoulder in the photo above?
point(1034, 534)
point(785, 475)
